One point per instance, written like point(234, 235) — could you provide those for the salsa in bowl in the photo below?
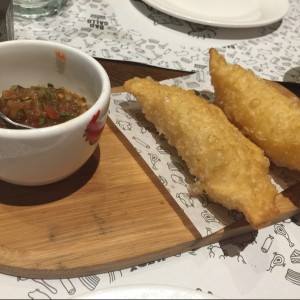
point(41, 106)
point(65, 98)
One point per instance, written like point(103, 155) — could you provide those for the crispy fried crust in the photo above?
point(268, 115)
point(228, 167)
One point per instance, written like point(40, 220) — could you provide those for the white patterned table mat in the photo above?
point(129, 30)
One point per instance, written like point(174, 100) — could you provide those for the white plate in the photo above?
point(146, 292)
point(224, 13)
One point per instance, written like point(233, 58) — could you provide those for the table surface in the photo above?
point(120, 71)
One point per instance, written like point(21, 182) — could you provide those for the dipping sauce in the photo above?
point(41, 106)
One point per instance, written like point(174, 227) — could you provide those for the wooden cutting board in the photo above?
point(112, 214)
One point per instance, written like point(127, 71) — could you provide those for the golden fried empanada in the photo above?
point(264, 112)
point(228, 167)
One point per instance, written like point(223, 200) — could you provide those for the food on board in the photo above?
point(41, 106)
point(266, 113)
point(227, 166)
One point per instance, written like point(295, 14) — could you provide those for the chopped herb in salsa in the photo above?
point(41, 106)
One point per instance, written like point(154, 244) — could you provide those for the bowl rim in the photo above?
point(63, 127)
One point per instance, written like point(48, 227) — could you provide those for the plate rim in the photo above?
point(160, 5)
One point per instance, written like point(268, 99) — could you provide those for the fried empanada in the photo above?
point(264, 112)
point(228, 167)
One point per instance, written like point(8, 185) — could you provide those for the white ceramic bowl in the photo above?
point(46, 155)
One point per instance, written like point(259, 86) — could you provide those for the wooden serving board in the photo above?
point(112, 214)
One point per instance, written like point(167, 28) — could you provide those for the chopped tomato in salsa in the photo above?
point(41, 106)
